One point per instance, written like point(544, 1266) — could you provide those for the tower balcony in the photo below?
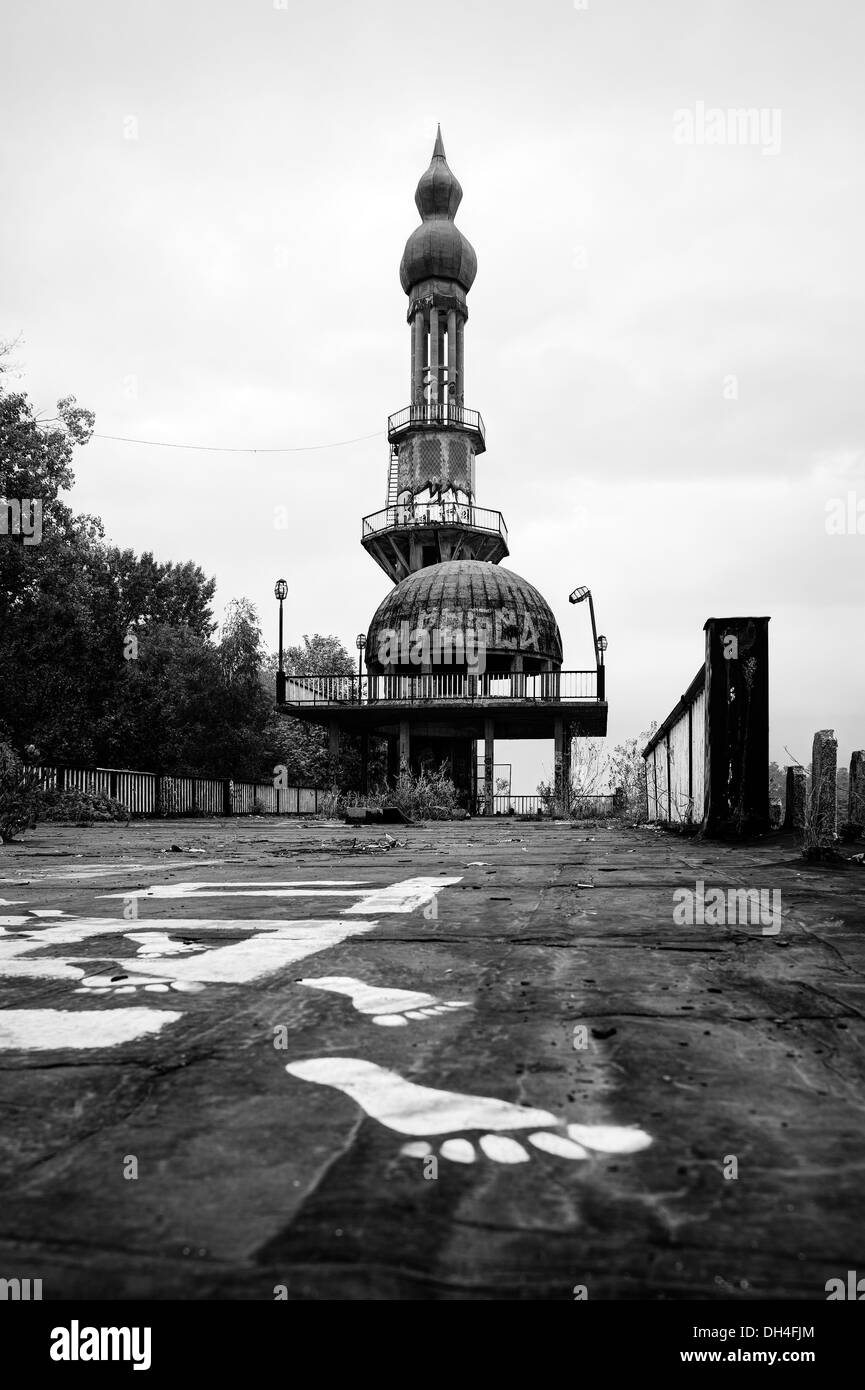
point(523, 705)
point(437, 415)
point(410, 535)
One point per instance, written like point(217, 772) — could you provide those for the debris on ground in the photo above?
point(376, 846)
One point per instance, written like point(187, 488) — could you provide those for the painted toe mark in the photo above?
point(558, 1145)
point(420, 1149)
point(610, 1139)
point(458, 1151)
point(503, 1150)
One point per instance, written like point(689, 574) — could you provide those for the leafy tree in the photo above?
point(302, 747)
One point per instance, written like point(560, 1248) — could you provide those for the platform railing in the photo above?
point(443, 687)
point(421, 514)
point(441, 414)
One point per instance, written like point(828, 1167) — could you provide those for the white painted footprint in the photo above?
point(159, 943)
point(391, 1008)
point(120, 984)
point(420, 1110)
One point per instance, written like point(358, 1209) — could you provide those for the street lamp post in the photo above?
point(600, 643)
point(360, 643)
point(280, 591)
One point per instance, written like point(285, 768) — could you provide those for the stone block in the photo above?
point(856, 794)
point(794, 817)
point(824, 767)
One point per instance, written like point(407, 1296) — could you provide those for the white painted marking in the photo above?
point(409, 1108)
point(558, 1145)
point(159, 943)
point(401, 897)
point(390, 1007)
point(458, 1151)
point(38, 970)
point(417, 1149)
point(248, 960)
point(283, 888)
point(263, 942)
point(501, 1149)
point(44, 1030)
point(610, 1139)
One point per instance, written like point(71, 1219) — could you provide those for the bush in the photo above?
point(76, 807)
point(20, 794)
point(427, 796)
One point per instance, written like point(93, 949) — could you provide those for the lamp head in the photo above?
point(280, 589)
point(360, 641)
point(579, 594)
point(602, 644)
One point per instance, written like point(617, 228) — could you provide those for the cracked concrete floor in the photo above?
point(732, 1049)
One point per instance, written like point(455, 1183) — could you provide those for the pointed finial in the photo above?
point(439, 150)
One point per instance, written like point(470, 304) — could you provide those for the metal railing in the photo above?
point(445, 687)
point(442, 414)
point(155, 794)
point(435, 514)
point(581, 807)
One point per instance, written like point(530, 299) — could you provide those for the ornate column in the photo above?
point(450, 394)
point(461, 394)
point(433, 356)
point(441, 391)
point(419, 356)
point(413, 377)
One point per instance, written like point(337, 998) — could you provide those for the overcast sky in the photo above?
point(205, 208)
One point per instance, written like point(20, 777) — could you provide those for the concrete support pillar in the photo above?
point(824, 767)
point(404, 746)
point(856, 794)
point(419, 357)
point(451, 396)
point(518, 678)
point(364, 763)
point(473, 776)
point(333, 749)
point(794, 815)
point(460, 396)
point(559, 779)
point(434, 362)
point(392, 761)
point(489, 767)
point(566, 769)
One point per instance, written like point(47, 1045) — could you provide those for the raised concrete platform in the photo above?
point(266, 1160)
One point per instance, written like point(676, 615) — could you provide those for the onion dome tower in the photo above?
point(461, 649)
point(430, 513)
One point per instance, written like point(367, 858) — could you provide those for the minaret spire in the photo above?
point(431, 514)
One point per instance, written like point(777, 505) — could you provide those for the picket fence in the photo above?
point(154, 794)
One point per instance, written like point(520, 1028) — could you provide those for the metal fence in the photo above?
point(581, 808)
point(154, 794)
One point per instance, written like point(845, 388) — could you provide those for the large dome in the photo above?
point(466, 599)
